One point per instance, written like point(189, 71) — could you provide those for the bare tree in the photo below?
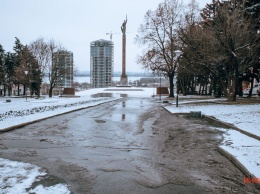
point(158, 34)
point(234, 32)
point(47, 55)
point(223, 44)
point(41, 51)
point(202, 55)
point(192, 69)
point(55, 70)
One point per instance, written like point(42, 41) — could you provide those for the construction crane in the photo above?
point(111, 34)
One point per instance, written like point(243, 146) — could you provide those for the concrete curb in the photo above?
point(234, 127)
point(38, 120)
point(223, 123)
point(235, 161)
point(229, 156)
point(238, 164)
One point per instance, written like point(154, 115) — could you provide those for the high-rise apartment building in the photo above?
point(63, 60)
point(101, 63)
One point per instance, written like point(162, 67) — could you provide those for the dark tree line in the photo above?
point(27, 65)
point(220, 45)
point(13, 66)
point(226, 45)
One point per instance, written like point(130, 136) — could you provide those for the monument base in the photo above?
point(124, 80)
point(123, 86)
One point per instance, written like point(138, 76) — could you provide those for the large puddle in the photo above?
point(127, 111)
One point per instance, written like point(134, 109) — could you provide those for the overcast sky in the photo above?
point(76, 23)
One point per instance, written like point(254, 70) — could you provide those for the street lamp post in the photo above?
point(178, 54)
point(26, 72)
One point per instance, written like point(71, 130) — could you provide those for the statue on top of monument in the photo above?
point(123, 27)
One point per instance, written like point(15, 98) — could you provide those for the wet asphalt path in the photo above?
point(127, 146)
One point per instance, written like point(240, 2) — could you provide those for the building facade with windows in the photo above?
point(101, 63)
point(63, 60)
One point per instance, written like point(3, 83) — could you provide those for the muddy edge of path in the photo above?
point(189, 149)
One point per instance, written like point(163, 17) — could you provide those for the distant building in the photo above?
point(64, 60)
point(101, 63)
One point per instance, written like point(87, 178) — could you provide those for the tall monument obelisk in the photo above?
point(123, 80)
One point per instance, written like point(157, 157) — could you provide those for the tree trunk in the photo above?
point(206, 88)
point(240, 88)
point(192, 85)
point(203, 87)
point(232, 80)
point(223, 88)
point(4, 89)
point(171, 85)
point(200, 89)
point(206, 84)
point(210, 87)
point(251, 88)
point(18, 88)
point(38, 93)
point(39, 90)
point(231, 93)
point(50, 92)
point(182, 86)
point(9, 90)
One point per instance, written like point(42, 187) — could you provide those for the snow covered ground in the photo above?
point(17, 176)
point(244, 116)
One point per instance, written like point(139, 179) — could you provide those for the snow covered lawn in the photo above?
point(244, 148)
point(243, 116)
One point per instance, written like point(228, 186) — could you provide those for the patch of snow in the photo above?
point(244, 148)
point(17, 177)
point(56, 189)
point(245, 117)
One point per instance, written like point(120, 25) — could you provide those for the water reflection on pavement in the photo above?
point(117, 147)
